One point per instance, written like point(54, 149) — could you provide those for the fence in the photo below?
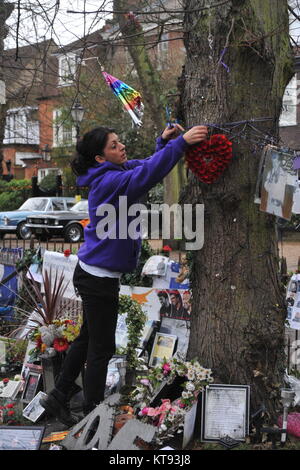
point(73, 307)
point(54, 245)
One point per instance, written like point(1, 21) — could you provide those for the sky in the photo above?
point(46, 22)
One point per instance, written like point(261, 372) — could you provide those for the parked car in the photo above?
point(15, 221)
point(64, 224)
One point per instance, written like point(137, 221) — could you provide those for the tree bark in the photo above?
point(237, 327)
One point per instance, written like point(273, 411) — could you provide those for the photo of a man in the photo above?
point(177, 308)
point(165, 309)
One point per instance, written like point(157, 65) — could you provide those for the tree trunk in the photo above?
point(237, 327)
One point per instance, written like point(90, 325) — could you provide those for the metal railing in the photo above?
point(51, 245)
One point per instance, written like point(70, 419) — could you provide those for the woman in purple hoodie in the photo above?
point(115, 183)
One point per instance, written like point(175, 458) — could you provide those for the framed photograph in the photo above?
point(31, 386)
point(225, 412)
point(278, 183)
point(163, 347)
point(33, 411)
point(21, 437)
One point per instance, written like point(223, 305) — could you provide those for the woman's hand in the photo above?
point(171, 132)
point(195, 134)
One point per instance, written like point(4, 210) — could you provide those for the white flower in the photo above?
point(190, 375)
point(163, 427)
point(139, 396)
point(190, 386)
point(159, 376)
point(48, 334)
point(201, 376)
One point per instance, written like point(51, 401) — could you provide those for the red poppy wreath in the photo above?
point(209, 158)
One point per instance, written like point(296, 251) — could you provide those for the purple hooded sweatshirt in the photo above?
point(107, 182)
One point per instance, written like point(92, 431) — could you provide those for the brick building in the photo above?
point(37, 83)
point(29, 75)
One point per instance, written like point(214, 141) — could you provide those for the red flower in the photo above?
point(60, 344)
point(67, 252)
point(10, 405)
point(5, 381)
point(38, 342)
point(167, 248)
point(10, 413)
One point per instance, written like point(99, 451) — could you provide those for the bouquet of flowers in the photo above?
point(55, 337)
point(169, 417)
point(49, 329)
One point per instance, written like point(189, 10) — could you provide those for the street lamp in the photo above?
point(77, 112)
point(46, 153)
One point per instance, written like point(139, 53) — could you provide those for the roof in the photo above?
point(85, 42)
point(28, 75)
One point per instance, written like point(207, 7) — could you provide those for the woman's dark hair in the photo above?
point(91, 144)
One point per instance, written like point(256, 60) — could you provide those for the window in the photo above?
point(288, 115)
point(35, 204)
point(67, 69)
point(64, 133)
point(42, 172)
point(58, 205)
point(21, 127)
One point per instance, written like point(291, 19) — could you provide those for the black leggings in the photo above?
point(95, 344)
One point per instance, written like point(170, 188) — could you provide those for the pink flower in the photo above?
point(145, 382)
point(144, 411)
point(166, 369)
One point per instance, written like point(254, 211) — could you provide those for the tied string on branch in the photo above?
point(245, 130)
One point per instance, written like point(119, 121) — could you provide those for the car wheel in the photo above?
point(23, 232)
point(73, 233)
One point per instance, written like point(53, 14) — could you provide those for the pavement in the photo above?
point(53, 425)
